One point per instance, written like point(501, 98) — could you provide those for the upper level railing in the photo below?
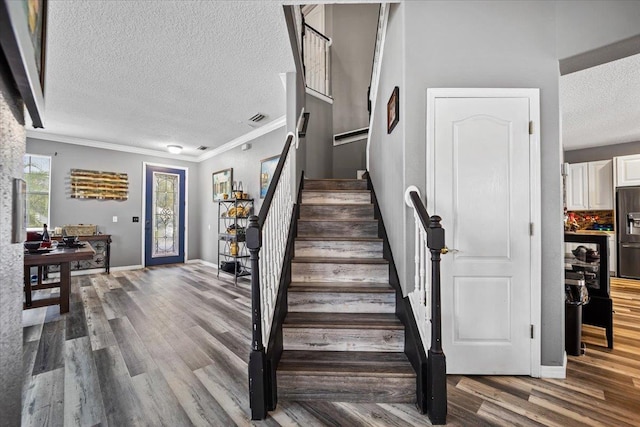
point(425, 301)
point(316, 56)
point(266, 238)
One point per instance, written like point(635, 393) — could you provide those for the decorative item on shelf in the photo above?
point(80, 230)
point(238, 191)
point(222, 184)
point(233, 249)
point(87, 184)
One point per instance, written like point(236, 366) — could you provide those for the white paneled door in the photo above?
point(480, 156)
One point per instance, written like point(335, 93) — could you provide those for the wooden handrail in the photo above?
point(318, 33)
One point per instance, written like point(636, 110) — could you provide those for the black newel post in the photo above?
point(436, 365)
point(257, 359)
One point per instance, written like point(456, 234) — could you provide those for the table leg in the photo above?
point(65, 286)
point(27, 285)
point(40, 273)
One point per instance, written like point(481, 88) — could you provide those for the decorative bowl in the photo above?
point(32, 246)
point(70, 240)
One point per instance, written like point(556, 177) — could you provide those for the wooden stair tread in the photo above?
point(337, 220)
point(340, 363)
point(336, 191)
point(318, 260)
point(338, 239)
point(343, 321)
point(338, 205)
point(347, 287)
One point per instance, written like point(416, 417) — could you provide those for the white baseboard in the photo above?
point(559, 372)
point(203, 262)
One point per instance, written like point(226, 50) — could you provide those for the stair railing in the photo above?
point(383, 17)
point(266, 239)
point(316, 56)
point(425, 301)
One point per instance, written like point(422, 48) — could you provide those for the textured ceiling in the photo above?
point(147, 74)
point(601, 105)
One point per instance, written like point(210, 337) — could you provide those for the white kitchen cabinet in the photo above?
point(627, 171)
point(577, 187)
point(590, 186)
point(600, 185)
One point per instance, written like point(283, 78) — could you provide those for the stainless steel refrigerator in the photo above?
point(628, 229)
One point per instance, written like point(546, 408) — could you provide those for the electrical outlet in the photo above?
point(115, 219)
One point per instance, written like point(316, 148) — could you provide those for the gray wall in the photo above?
point(126, 249)
point(12, 144)
point(349, 158)
point(354, 37)
point(487, 44)
point(386, 152)
point(604, 152)
point(319, 139)
point(246, 168)
point(586, 25)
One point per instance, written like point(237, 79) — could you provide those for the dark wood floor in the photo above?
point(169, 345)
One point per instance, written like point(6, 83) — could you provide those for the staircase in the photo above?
point(341, 338)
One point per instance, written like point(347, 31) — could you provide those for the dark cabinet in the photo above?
point(587, 257)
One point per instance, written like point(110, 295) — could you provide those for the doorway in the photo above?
point(482, 162)
point(165, 219)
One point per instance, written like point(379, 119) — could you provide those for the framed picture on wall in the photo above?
point(23, 26)
point(267, 169)
point(222, 183)
point(393, 110)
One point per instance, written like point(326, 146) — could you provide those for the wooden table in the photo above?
point(61, 256)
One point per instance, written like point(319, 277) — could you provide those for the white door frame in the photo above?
point(186, 206)
point(534, 190)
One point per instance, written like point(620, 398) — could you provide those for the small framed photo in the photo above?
point(267, 169)
point(222, 183)
point(393, 110)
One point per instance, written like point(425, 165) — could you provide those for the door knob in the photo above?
point(446, 250)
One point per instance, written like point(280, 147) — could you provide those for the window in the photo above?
point(37, 174)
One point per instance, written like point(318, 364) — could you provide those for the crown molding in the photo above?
point(247, 137)
point(35, 134)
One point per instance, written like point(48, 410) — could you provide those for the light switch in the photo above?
point(115, 219)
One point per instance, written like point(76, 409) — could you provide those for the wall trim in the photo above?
point(319, 95)
point(560, 372)
point(47, 136)
point(247, 137)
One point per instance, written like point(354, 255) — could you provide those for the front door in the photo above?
point(164, 215)
point(480, 187)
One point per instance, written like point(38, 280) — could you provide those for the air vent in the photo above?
point(258, 117)
point(202, 148)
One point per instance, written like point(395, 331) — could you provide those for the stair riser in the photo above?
point(320, 339)
point(335, 197)
point(341, 302)
point(336, 249)
point(347, 388)
point(363, 211)
point(359, 184)
point(337, 229)
point(318, 272)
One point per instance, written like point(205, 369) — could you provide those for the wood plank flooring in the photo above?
point(169, 346)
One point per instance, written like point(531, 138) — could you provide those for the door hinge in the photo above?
point(530, 229)
point(531, 128)
point(531, 331)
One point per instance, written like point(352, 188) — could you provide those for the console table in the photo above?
point(62, 257)
point(101, 244)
